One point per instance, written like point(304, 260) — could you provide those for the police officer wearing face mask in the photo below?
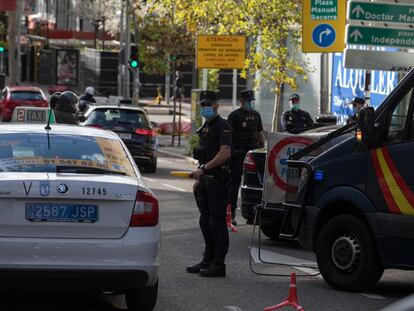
point(211, 187)
point(296, 120)
point(357, 104)
point(247, 127)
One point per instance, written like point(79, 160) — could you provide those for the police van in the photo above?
point(353, 205)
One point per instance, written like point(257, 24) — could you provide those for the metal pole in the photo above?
point(18, 39)
point(324, 84)
point(1, 63)
point(234, 99)
point(127, 52)
point(175, 105)
point(179, 120)
point(103, 33)
point(120, 63)
point(204, 79)
point(168, 80)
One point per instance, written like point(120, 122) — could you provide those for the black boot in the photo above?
point(214, 270)
point(197, 267)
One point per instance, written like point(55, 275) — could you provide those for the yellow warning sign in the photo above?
point(323, 25)
point(221, 52)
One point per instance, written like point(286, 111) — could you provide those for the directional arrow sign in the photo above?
point(395, 37)
point(381, 12)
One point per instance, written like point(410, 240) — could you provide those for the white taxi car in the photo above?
point(74, 212)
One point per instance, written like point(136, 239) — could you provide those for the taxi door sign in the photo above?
point(323, 25)
point(220, 52)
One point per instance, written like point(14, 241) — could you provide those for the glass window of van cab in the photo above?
point(398, 122)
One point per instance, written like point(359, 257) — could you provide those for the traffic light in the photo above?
point(2, 49)
point(133, 57)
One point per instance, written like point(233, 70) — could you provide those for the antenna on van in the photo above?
point(48, 128)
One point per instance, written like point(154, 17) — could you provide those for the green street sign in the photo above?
point(380, 36)
point(381, 12)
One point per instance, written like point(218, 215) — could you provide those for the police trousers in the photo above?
point(236, 171)
point(211, 197)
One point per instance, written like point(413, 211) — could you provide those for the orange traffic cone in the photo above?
point(292, 299)
point(228, 220)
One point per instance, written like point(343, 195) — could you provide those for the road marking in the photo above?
point(175, 188)
point(373, 296)
point(233, 308)
point(161, 160)
point(149, 179)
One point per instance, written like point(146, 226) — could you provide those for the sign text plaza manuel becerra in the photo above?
point(402, 38)
point(323, 25)
point(381, 12)
point(222, 52)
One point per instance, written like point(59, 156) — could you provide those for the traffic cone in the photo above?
point(292, 299)
point(228, 220)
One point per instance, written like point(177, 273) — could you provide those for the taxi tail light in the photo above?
point(249, 164)
point(144, 132)
point(146, 212)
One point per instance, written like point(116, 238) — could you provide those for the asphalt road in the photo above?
point(241, 290)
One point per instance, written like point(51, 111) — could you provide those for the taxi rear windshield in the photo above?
point(24, 152)
point(24, 95)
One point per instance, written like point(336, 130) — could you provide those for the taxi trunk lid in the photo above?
point(65, 205)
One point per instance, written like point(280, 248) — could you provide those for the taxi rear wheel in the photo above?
point(142, 299)
point(346, 254)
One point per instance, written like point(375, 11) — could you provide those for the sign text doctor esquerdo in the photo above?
point(222, 52)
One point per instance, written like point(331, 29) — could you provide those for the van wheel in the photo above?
point(271, 231)
point(142, 299)
point(346, 254)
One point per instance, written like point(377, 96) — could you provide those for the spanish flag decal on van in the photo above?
point(396, 192)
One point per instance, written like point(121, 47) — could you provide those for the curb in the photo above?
point(189, 159)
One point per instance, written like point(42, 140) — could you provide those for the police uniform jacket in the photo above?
point(245, 125)
point(296, 121)
point(213, 134)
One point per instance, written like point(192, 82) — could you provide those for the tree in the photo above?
point(274, 26)
point(101, 13)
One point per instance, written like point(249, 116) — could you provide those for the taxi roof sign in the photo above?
point(323, 25)
point(221, 52)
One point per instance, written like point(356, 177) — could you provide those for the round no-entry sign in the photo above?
point(279, 154)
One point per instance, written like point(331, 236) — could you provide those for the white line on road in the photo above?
point(373, 296)
point(232, 308)
point(149, 179)
point(175, 188)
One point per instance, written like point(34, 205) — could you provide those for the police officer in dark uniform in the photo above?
point(296, 120)
point(357, 104)
point(247, 127)
point(211, 187)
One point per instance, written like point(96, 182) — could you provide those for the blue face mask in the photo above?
point(295, 107)
point(207, 112)
point(248, 105)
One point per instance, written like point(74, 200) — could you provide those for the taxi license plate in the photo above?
point(61, 212)
point(125, 135)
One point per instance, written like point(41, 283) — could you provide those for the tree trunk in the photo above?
point(277, 111)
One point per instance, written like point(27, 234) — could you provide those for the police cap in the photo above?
point(294, 96)
point(208, 97)
point(247, 95)
point(358, 100)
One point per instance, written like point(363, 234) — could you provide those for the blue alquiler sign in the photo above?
point(350, 83)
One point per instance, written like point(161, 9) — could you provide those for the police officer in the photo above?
point(211, 187)
point(65, 108)
point(296, 120)
point(247, 127)
point(357, 104)
point(85, 101)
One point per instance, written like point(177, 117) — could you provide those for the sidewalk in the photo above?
point(182, 151)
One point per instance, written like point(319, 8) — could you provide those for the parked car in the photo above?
point(132, 126)
point(76, 214)
point(252, 188)
point(20, 96)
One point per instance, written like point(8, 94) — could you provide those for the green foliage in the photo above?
point(213, 80)
point(160, 36)
point(273, 24)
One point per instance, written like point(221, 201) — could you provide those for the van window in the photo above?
point(397, 129)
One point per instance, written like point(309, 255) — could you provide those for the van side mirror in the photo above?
point(366, 126)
